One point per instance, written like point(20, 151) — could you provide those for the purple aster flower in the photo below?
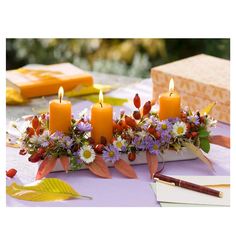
point(45, 144)
point(84, 127)
point(194, 119)
point(138, 142)
point(173, 120)
point(154, 147)
point(67, 142)
point(111, 153)
point(57, 135)
point(164, 126)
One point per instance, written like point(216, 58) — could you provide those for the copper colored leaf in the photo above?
point(152, 162)
point(220, 140)
point(125, 169)
point(46, 167)
point(99, 168)
point(65, 162)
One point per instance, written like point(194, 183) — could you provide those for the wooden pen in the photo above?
point(187, 185)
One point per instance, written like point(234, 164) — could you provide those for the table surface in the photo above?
point(118, 191)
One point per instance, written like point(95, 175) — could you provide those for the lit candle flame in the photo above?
point(171, 86)
point(100, 97)
point(60, 93)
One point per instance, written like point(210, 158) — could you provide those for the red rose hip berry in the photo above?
point(11, 173)
point(35, 122)
point(137, 101)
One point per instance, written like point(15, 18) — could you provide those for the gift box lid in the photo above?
point(201, 75)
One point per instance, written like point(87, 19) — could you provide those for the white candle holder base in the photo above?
point(169, 155)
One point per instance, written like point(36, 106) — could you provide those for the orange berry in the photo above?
point(35, 122)
point(137, 101)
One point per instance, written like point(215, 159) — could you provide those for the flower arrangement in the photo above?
point(140, 131)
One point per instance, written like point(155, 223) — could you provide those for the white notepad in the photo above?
point(167, 194)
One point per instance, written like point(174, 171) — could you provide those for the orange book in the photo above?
point(42, 80)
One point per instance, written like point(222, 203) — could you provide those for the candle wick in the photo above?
point(60, 99)
point(101, 104)
point(171, 94)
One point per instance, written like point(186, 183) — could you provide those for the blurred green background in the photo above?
point(130, 57)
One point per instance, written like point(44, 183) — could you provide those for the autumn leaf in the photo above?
point(220, 140)
point(99, 168)
point(65, 162)
point(152, 162)
point(48, 189)
point(125, 169)
point(46, 166)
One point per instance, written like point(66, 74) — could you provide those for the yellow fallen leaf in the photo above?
point(87, 90)
point(14, 97)
point(107, 99)
point(195, 150)
point(207, 110)
point(49, 189)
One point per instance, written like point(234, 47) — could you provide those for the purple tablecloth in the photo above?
point(118, 191)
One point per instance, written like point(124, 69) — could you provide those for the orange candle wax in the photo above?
point(59, 114)
point(101, 121)
point(169, 103)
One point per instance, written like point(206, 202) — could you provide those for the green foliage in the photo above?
point(131, 57)
point(204, 144)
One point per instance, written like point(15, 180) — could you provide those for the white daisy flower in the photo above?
point(87, 154)
point(210, 122)
point(179, 129)
point(119, 143)
point(142, 134)
point(37, 140)
point(130, 132)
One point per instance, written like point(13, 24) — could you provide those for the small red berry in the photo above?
point(132, 156)
point(157, 135)
point(194, 134)
point(188, 135)
point(147, 108)
point(30, 131)
point(39, 131)
point(35, 157)
point(35, 122)
point(22, 151)
point(130, 122)
point(103, 140)
point(41, 150)
point(137, 115)
point(11, 173)
point(137, 101)
point(151, 130)
point(99, 148)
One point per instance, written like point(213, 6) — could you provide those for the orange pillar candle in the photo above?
point(169, 103)
point(59, 114)
point(101, 120)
